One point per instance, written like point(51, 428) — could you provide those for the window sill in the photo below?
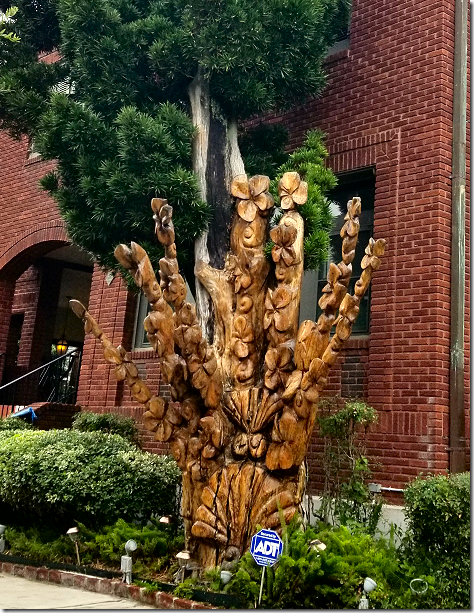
point(358, 341)
point(142, 353)
point(337, 56)
point(34, 160)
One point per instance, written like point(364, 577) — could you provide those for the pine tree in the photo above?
point(154, 91)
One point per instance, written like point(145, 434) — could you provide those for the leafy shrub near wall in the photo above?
point(438, 515)
point(66, 475)
point(331, 578)
point(15, 423)
point(110, 423)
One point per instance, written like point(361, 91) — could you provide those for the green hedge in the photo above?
point(95, 478)
point(438, 513)
point(15, 423)
point(110, 423)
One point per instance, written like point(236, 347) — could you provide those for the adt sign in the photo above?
point(266, 547)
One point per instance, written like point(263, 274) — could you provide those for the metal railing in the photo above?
point(55, 381)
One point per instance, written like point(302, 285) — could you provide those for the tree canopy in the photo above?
point(114, 109)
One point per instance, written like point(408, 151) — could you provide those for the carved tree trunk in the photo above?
point(216, 161)
point(243, 406)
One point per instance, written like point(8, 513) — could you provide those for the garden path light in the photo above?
point(73, 534)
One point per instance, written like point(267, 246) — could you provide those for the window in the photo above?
point(140, 339)
point(32, 153)
point(358, 183)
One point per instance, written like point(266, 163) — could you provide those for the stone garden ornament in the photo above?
point(243, 408)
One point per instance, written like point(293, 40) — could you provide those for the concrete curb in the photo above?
point(114, 587)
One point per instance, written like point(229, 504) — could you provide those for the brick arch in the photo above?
point(30, 244)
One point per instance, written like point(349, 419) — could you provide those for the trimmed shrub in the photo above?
point(13, 424)
point(95, 478)
point(110, 423)
point(438, 514)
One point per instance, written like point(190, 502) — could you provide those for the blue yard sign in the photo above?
point(266, 547)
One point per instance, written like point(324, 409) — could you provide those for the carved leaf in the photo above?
point(259, 184)
point(281, 297)
point(264, 201)
point(288, 426)
point(292, 385)
point(306, 346)
point(140, 392)
point(123, 255)
point(282, 321)
point(247, 210)
point(120, 372)
point(164, 431)
point(269, 404)
point(112, 355)
point(243, 329)
point(240, 187)
point(157, 407)
point(241, 349)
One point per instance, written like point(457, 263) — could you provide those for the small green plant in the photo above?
point(110, 423)
point(346, 497)
point(186, 587)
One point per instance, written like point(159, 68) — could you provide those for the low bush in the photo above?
point(331, 578)
point(157, 545)
point(438, 513)
point(110, 423)
point(95, 478)
point(14, 423)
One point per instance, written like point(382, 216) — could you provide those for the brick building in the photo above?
point(387, 111)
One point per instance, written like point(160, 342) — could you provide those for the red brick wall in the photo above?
point(388, 103)
point(99, 391)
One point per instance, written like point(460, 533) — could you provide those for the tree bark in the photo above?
point(216, 161)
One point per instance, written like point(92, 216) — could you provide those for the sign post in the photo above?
point(266, 547)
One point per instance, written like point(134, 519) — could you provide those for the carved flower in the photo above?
point(279, 363)
point(242, 278)
point(292, 190)
point(275, 303)
point(351, 227)
point(283, 236)
point(243, 333)
point(372, 251)
point(163, 214)
point(252, 195)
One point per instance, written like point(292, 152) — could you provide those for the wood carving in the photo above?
point(243, 408)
